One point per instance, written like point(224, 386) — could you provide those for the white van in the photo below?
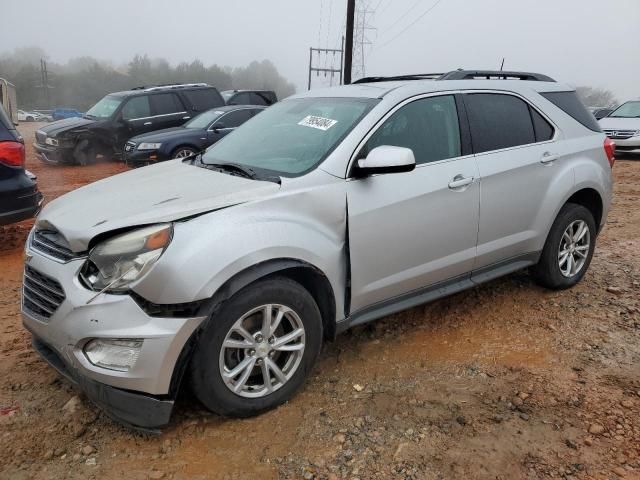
point(8, 99)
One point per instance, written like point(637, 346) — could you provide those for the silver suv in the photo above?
point(330, 209)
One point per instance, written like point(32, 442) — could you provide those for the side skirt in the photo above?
point(437, 291)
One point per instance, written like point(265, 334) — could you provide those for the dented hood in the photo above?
point(161, 193)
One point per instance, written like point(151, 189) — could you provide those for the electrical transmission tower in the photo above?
point(361, 30)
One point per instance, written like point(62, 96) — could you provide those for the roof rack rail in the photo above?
point(417, 76)
point(495, 75)
point(168, 86)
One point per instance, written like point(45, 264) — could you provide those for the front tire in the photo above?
point(183, 152)
point(258, 349)
point(568, 250)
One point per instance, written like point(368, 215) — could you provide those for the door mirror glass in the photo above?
point(386, 159)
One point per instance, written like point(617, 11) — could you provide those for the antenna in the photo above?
point(502, 66)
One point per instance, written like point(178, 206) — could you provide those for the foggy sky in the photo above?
point(582, 42)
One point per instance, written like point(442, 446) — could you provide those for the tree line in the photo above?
point(82, 81)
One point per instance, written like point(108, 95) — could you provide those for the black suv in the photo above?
point(105, 128)
point(249, 97)
point(19, 195)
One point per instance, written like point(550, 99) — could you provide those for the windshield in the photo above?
point(104, 108)
point(627, 110)
point(292, 137)
point(203, 120)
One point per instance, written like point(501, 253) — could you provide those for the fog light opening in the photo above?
point(113, 354)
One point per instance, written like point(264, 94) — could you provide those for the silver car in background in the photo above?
point(623, 126)
point(332, 208)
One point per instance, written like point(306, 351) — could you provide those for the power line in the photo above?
point(404, 14)
point(412, 23)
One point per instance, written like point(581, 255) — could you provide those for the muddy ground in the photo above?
point(505, 381)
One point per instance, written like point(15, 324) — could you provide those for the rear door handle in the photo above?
point(147, 123)
point(459, 181)
point(549, 157)
point(186, 118)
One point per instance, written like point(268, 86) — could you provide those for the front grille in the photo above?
point(129, 147)
point(41, 294)
point(52, 244)
point(620, 134)
point(40, 137)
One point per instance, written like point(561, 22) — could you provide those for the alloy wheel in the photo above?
point(574, 248)
point(262, 351)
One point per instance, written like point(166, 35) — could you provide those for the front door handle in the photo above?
point(147, 123)
point(459, 181)
point(549, 157)
point(186, 118)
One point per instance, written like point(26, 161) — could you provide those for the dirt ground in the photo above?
point(505, 381)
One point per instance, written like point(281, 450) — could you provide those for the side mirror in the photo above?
point(218, 126)
point(386, 159)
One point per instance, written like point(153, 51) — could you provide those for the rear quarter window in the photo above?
point(570, 104)
point(203, 99)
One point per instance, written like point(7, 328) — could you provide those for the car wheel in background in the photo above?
point(183, 152)
point(84, 153)
point(568, 250)
point(257, 349)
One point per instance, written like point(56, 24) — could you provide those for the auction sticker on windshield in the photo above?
point(320, 123)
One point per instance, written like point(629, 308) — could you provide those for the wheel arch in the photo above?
point(184, 145)
point(308, 275)
point(592, 201)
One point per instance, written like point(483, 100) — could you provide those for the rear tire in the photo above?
point(221, 350)
point(569, 248)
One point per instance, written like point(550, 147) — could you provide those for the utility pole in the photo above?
point(348, 47)
point(44, 79)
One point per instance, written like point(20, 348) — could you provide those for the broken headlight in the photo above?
point(116, 263)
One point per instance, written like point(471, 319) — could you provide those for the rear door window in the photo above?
point(498, 121)
point(136, 107)
point(570, 104)
point(203, 99)
point(235, 119)
point(166, 103)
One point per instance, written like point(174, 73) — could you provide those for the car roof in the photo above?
point(230, 108)
point(159, 89)
point(246, 90)
point(380, 89)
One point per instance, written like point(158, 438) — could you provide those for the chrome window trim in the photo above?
point(406, 101)
point(154, 116)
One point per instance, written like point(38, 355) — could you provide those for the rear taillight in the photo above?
point(610, 150)
point(12, 154)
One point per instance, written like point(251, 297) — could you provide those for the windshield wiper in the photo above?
point(89, 117)
point(235, 168)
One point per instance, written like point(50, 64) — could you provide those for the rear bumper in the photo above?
point(135, 410)
point(29, 208)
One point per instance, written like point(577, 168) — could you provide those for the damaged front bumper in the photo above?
point(57, 310)
point(53, 155)
point(132, 409)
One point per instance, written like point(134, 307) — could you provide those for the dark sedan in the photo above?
point(19, 195)
point(192, 137)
